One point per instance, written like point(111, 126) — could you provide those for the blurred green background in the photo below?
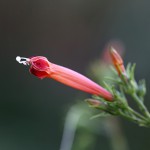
point(71, 33)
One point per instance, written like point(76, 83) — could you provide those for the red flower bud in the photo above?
point(93, 102)
point(40, 66)
point(117, 61)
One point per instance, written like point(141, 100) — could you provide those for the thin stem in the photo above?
point(70, 127)
point(141, 105)
point(136, 113)
point(135, 120)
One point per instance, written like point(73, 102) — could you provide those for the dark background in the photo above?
point(71, 33)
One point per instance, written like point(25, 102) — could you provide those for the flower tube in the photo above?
point(42, 68)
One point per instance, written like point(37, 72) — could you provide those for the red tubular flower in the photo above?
point(42, 68)
point(117, 61)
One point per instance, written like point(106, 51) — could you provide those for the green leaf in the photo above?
point(102, 114)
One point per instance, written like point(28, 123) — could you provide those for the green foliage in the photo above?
point(121, 86)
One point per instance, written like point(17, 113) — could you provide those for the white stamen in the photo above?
point(18, 58)
point(22, 60)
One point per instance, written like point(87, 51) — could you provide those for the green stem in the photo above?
point(136, 113)
point(141, 105)
point(135, 120)
point(70, 127)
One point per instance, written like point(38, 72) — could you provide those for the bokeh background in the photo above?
point(71, 33)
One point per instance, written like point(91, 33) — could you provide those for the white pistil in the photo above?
point(23, 60)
